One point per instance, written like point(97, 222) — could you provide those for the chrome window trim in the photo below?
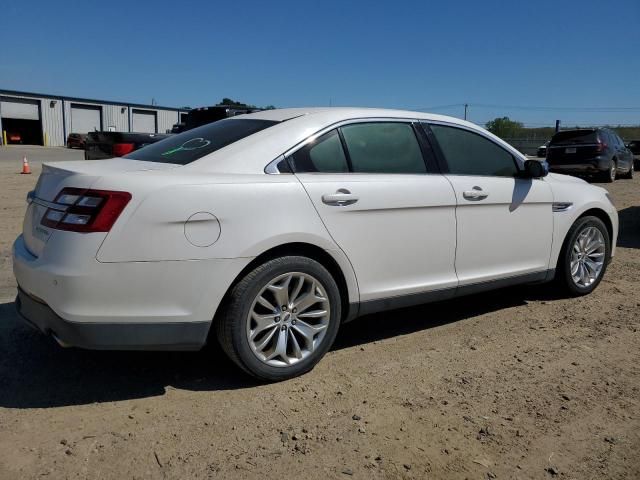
point(272, 168)
point(343, 123)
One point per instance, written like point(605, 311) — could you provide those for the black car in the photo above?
point(590, 151)
point(76, 140)
point(634, 146)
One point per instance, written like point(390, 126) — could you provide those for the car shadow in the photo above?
point(37, 373)
point(629, 235)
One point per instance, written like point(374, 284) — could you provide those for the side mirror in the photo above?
point(536, 169)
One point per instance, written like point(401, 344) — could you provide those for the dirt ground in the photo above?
point(518, 383)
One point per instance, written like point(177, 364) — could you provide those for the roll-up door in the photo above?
point(144, 121)
point(20, 109)
point(20, 119)
point(85, 118)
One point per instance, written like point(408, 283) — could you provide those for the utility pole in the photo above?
point(557, 126)
point(466, 105)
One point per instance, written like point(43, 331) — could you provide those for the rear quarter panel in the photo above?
point(255, 212)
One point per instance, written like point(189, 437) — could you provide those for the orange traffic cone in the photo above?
point(26, 169)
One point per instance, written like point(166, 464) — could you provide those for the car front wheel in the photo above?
point(610, 174)
point(584, 257)
point(281, 318)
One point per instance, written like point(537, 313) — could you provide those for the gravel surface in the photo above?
point(517, 383)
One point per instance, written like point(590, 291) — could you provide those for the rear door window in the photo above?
point(192, 145)
point(384, 147)
point(617, 139)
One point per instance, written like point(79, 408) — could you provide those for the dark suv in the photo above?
point(592, 151)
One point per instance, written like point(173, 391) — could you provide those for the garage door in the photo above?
point(20, 120)
point(20, 109)
point(85, 118)
point(144, 121)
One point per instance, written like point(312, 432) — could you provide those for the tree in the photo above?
point(228, 102)
point(232, 103)
point(505, 127)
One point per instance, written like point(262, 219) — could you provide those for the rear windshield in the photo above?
point(574, 136)
point(189, 146)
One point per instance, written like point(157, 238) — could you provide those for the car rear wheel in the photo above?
point(281, 318)
point(629, 174)
point(584, 257)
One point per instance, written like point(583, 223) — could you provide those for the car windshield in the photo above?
point(193, 144)
point(570, 137)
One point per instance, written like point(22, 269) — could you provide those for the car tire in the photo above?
point(572, 252)
point(257, 296)
point(629, 174)
point(609, 175)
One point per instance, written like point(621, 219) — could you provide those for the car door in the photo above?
point(505, 223)
point(622, 153)
point(393, 218)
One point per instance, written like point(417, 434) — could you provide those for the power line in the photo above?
point(566, 124)
point(439, 107)
point(558, 109)
point(531, 107)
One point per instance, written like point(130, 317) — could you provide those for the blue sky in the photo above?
point(577, 57)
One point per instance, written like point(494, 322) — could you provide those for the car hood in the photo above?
point(559, 178)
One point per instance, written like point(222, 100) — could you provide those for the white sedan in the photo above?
point(267, 231)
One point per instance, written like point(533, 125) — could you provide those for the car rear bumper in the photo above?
point(111, 336)
point(128, 305)
point(584, 168)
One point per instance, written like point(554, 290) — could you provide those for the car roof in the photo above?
point(297, 125)
point(343, 113)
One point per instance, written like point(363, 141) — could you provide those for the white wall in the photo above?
point(116, 116)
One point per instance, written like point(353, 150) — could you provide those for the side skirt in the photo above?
point(402, 301)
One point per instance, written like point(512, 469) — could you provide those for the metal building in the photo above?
point(40, 119)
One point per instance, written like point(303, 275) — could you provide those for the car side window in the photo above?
point(325, 154)
point(468, 153)
point(383, 147)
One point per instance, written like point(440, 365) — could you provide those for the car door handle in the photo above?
point(475, 194)
point(341, 198)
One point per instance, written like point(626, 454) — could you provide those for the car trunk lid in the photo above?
point(77, 174)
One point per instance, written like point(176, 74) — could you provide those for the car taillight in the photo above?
point(121, 149)
point(81, 210)
point(601, 146)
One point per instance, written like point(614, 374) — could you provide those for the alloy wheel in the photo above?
point(587, 257)
point(288, 319)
